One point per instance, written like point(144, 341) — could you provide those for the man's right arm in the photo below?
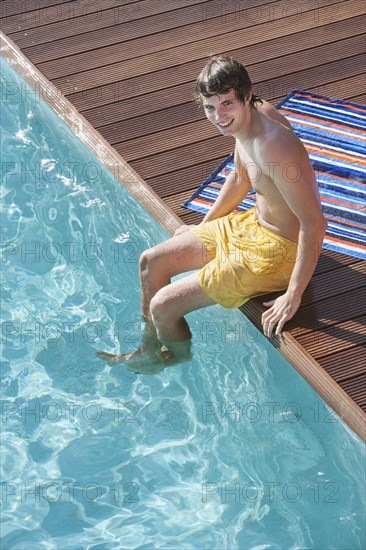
point(234, 190)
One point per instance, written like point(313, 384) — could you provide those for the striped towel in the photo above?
point(333, 132)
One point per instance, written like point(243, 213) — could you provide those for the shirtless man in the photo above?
point(274, 246)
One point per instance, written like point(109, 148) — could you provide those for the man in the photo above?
point(274, 246)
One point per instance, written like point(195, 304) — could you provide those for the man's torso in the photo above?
point(273, 211)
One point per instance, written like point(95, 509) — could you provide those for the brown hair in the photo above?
point(221, 74)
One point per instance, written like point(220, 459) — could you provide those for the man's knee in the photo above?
point(147, 258)
point(159, 306)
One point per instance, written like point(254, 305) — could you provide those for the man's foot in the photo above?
point(143, 361)
point(136, 356)
point(118, 358)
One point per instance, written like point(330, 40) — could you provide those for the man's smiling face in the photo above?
point(226, 112)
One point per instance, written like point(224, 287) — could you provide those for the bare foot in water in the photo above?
point(146, 363)
point(137, 356)
point(112, 358)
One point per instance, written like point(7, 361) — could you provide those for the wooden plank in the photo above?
point(157, 131)
point(188, 179)
point(319, 341)
point(355, 388)
point(146, 104)
point(155, 33)
point(178, 96)
point(129, 88)
point(165, 140)
point(328, 311)
point(119, 92)
point(360, 401)
point(351, 277)
point(333, 339)
point(73, 18)
point(139, 105)
point(134, 128)
point(361, 98)
point(188, 216)
point(340, 89)
point(174, 204)
point(173, 56)
point(312, 79)
point(346, 364)
point(135, 149)
point(330, 260)
point(21, 7)
point(188, 154)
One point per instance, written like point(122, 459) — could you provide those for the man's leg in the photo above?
point(171, 303)
point(178, 254)
point(172, 334)
point(168, 307)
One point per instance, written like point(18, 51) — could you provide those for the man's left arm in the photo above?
point(293, 175)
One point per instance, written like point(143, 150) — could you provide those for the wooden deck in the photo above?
point(129, 68)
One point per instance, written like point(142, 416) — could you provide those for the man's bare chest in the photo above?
point(253, 170)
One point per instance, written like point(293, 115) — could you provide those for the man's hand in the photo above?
point(282, 309)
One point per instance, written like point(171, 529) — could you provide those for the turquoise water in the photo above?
point(232, 450)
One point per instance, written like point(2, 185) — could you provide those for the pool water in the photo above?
point(231, 450)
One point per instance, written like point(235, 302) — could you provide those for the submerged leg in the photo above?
point(151, 351)
point(150, 347)
point(168, 308)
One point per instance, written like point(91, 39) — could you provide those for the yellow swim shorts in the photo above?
point(249, 259)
